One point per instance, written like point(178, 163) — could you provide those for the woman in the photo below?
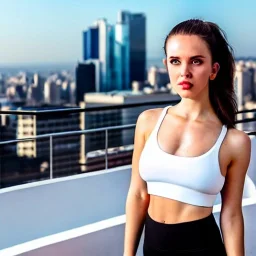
point(186, 154)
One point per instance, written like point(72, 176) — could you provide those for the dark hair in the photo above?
point(221, 89)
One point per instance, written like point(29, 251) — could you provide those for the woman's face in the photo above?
point(189, 64)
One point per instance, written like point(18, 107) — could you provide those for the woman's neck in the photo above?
point(194, 110)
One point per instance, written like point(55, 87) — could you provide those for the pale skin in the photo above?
point(193, 128)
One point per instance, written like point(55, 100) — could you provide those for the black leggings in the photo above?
point(194, 238)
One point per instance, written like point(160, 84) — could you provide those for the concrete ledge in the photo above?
point(83, 231)
point(63, 236)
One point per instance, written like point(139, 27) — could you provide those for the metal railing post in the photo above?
point(106, 149)
point(51, 174)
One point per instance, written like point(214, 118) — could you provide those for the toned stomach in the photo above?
point(170, 211)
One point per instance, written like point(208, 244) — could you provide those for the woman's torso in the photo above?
point(186, 139)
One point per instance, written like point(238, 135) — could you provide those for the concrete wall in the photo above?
point(107, 238)
point(44, 208)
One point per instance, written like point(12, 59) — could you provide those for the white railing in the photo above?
point(50, 136)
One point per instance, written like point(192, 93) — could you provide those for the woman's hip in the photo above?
point(199, 237)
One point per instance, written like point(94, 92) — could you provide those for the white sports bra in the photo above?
point(193, 180)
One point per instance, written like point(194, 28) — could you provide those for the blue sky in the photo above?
point(35, 31)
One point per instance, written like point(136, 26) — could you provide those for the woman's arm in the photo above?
point(138, 198)
point(231, 216)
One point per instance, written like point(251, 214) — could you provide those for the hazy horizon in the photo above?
point(70, 63)
point(50, 31)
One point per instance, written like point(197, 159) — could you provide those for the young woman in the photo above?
point(184, 155)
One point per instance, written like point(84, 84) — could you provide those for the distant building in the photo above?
point(3, 101)
point(8, 129)
point(68, 93)
point(158, 76)
point(113, 117)
point(35, 92)
point(96, 140)
point(243, 85)
point(91, 43)
point(252, 69)
point(52, 92)
point(137, 39)
point(126, 97)
point(243, 90)
point(65, 149)
point(106, 55)
point(118, 52)
point(98, 48)
point(72, 91)
point(85, 80)
point(122, 57)
point(2, 83)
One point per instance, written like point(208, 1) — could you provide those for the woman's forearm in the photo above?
point(136, 209)
point(233, 234)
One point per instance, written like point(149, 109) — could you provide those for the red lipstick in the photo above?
point(185, 85)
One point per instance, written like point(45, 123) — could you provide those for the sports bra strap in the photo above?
point(221, 136)
point(160, 119)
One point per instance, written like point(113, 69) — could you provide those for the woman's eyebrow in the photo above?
point(197, 56)
point(193, 57)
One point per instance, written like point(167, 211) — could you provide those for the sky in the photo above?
point(50, 31)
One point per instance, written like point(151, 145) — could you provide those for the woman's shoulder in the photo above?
point(150, 114)
point(238, 141)
point(147, 120)
point(237, 136)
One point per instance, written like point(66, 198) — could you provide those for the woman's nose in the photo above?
point(184, 72)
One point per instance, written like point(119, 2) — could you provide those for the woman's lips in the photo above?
point(185, 85)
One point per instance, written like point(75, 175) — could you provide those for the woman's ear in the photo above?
point(215, 70)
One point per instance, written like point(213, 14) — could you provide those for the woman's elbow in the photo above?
point(229, 218)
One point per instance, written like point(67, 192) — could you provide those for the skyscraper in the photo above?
point(104, 54)
point(122, 57)
point(91, 43)
point(98, 48)
point(137, 40)
point(85, 80)
point(118, 52)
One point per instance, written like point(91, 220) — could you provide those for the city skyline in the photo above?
point(51, 31)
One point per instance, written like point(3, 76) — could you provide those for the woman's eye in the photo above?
point(197, 62)
point(174, 61)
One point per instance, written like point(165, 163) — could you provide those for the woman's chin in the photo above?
point(186, 95)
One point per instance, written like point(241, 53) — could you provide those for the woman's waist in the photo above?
point(170, 211)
